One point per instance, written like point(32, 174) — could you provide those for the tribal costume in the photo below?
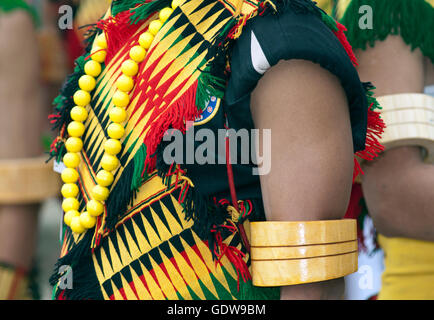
point(172, 231)
point(409, 263)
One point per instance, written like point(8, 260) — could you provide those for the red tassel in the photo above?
point(175, 116)
point(340, 34)
point(118, 30)
point(354, 211)
point(234, 255)
point(375, 128)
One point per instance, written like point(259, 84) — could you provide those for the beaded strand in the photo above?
point(80, 222)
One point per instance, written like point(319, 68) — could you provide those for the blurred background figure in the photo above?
point(35, 57)
point(25, 180)
point(394, 43)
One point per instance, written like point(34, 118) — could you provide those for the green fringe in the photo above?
point(124, 5)
point(208, 86)
point(329, 21)
point(370, 91)
point(412, 19)
point(11, 5)
point(144, 11)
point(139, 166)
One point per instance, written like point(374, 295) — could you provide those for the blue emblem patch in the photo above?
point(209, 112)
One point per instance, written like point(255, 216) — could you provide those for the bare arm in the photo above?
point(311, 154)
point(398, 187)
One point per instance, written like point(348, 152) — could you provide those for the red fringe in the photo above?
point(340, 34)
point(234, 255)
point(376, 127)
point(176, 117)
point(118, 30)
point(353, 212)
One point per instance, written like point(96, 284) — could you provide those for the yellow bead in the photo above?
point(70, 204)
point(137, 53)
point(165, 14)
point(67, 218)
point(69, 175)
point(130, 68)
point(76, 226)
point(145, 40)
point(81, 98)
point(69, 190)
point(98, 54)
point(155, 26)
point(87, 220)
point(104, 178)
point(118, 115)
point(176, 3)
point(101, 41)
point(92, 68)
point(95, 208)
point(125, 83)
point(109, 162)
point(121, 99)
point(100, 193)
point(75, 129)
point(112, 146)
point(71, 160)
point(74, 144)
point(87, 83)
point(115, 131)
point(79, 114)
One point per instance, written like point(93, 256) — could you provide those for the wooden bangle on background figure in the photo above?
point(27, 181)
point(410, 122)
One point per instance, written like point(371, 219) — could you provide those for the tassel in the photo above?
point(144, 10)
point(343, 40)
point(176, 117)
point(233, 254)
point(118, 31)
point(375, 127)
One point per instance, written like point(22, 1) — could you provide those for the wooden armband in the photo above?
point(27, 181)
point(290, 253)
point(410, 122)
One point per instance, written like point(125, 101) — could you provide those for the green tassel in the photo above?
point(139, 166)
point(329, 21)
point(144, 11)
point(124, 5)
point(370, 91)
point(208, 86)
point(412, 19)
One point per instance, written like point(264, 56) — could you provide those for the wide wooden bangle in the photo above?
point(289, 253)
point(300, 252)
point(27, 181)
point(271, 273)
point(301, 233)
point(410, 122)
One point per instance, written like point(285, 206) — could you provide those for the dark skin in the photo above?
point(398, 187)
point(297, 188)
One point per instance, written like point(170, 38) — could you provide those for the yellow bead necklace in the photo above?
point(80, 222)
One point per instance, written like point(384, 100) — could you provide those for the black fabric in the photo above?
point(296, 36)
